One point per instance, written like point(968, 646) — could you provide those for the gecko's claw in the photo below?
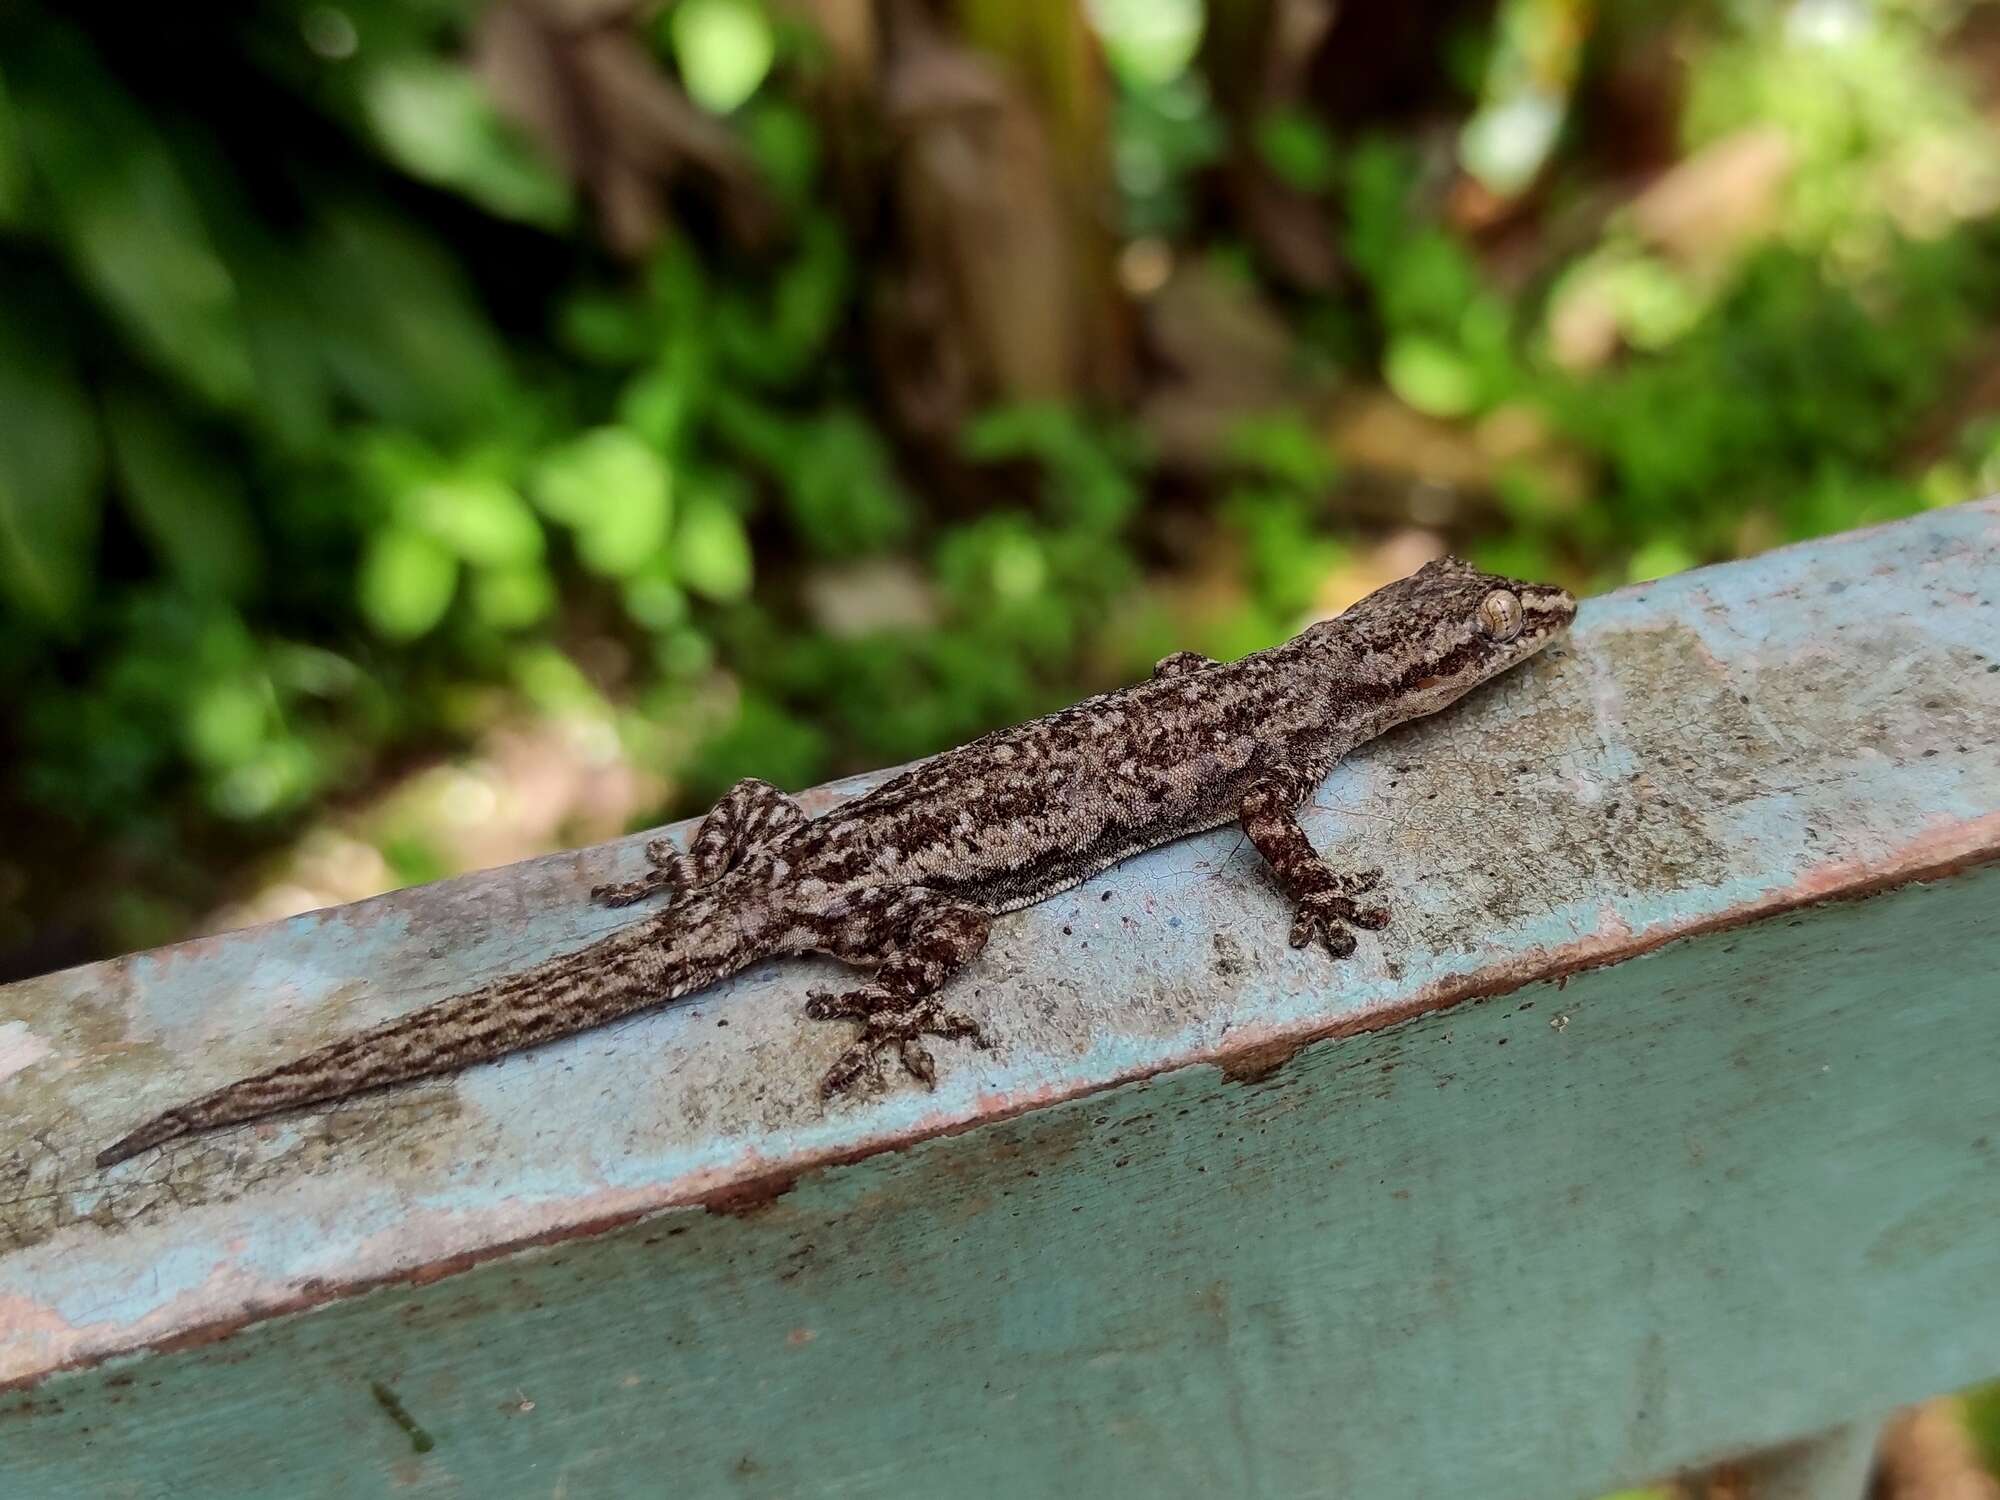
point(1331, 913)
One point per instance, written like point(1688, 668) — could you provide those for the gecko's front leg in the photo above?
point(917, 940)
point(1323, 899)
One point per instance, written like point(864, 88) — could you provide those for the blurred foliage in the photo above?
point(777, 398)
point(351, 402)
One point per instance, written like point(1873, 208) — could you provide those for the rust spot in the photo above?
point(742, 1199)
point(1256, 1064)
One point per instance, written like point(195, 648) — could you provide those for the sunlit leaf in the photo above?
point(654, 601)
point(50, 464)
point(723, 48)
point(126, 217)
point(656, 404)
point(614, 491)
point(282, 774)
point(1149, 42)
point(711, 550)
point(225, 721)
point(479, 518)
point(434, 120)
point(1430, 376)
point(1658, 558)
point(513, 598)
point(191, 505)
point(406, 582)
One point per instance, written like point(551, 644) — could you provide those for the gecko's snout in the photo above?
point(1555, 607)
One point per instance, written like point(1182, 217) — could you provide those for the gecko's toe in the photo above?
point(857, 1065)
point(956, 1026)
point(632, 892)
point(824, 1005)
point(1338, 941)
point(1329, 915)
point(918, 1062)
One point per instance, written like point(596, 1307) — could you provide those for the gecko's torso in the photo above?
point(1034, 809)
point(907, 879)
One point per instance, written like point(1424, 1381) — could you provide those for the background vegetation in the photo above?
point(433, 431)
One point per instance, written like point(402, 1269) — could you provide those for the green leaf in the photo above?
point(723, 48)
point(841, 487)
point(656, 404)
point(225, 721)
point(1282, 447)
point(606, 328)
point(785, 141)
point(399, 328)
point(406, 582)
point(1431, 376)
point(126, 217)
point(513, 598)
point(190, 504)
point(478, 517)
point(711, 551)
point(653, 600)
point(433, 120)
point(51, 462)
point(615, 492)
point(1298, 150)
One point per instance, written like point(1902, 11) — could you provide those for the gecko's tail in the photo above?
point(644, 965)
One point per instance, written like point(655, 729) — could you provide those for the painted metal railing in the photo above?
point(1662, 1127)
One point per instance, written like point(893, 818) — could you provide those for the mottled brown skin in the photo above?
point(908, 879)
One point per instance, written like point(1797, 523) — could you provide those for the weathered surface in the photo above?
point(1625, 1218)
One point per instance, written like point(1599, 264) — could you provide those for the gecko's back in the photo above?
point(1037, 807)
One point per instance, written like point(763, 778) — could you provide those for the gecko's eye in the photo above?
point(1500, 615)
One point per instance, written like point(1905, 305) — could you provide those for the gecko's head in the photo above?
point(1437, 634)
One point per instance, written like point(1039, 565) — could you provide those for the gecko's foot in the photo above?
point(889, 1024)
point(668, 873)
point(632, 892)
point(1332, 912)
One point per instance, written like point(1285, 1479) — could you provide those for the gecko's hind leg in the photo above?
point(899, 1007)
point(750, 815)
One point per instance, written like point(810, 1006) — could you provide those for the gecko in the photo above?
point(907, 880)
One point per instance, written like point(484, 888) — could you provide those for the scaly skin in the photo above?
point(907, 880)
